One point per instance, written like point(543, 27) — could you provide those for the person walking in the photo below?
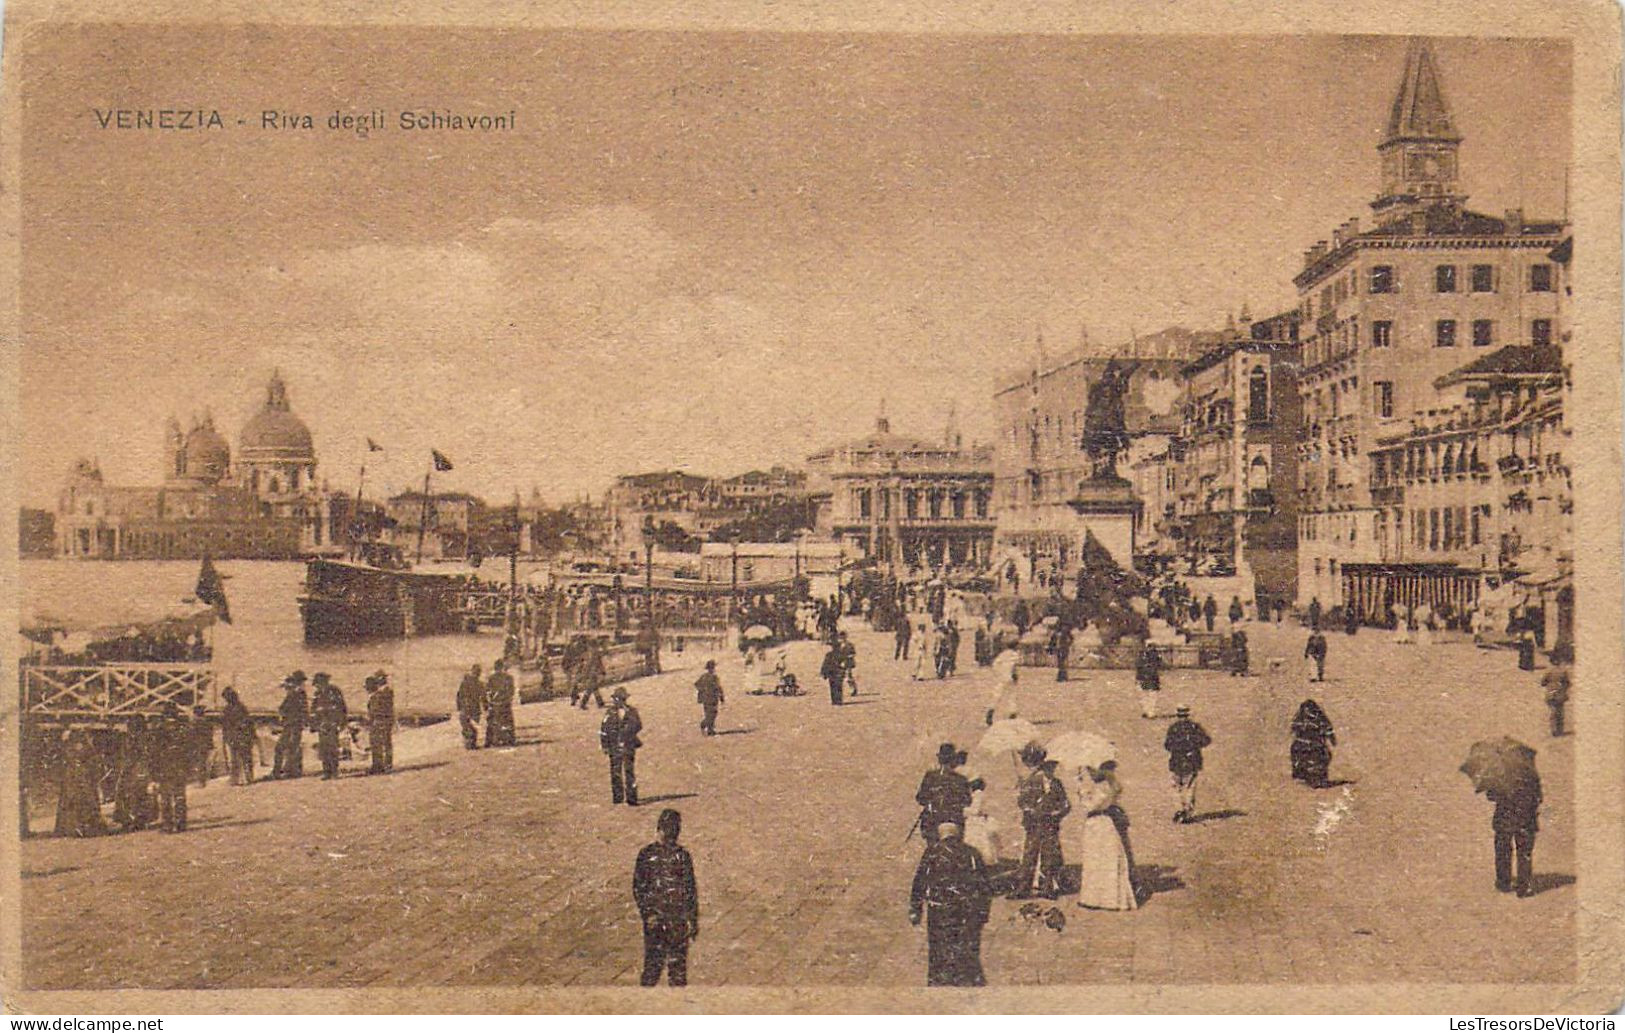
point(954, 639)
point(1210, 610)
point(1148, 673)
point(1185, 742)
point(470, 706)
point(290, 743)
point(944, 793)
point(172, 767)
point(380, 723)
point(329, 714)
point(1315, 649)
point(1061, 646)
point(618, 738)
point(1314, 613)
point(668, 900)
point(499, 693)
point(1236, 612)
point(1239, 658)
point(708, 693)
point(1556, 683)
point(952, 893)
point(903, 634)
point(849, 663)
point(1312, 742)
point(833, 671)
point(925, 651)
point(592, 673)
point(1043, 804)
point(1105, 876)
point(237, 737)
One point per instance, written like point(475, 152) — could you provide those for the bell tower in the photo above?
point(1419, 147)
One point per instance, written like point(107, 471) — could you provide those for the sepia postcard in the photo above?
point(816, 507)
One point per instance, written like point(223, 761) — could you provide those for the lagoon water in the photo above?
point(265, 641)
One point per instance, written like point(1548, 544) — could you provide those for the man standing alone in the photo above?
point(668, 902)
point(1185, 742)
point(1315, 649)
point(1148, 672)
point(499, 706)
point(951, 892)
point(1556, 683)
point(618, 738)
point(708, 689)
point(905, 631)
point(833, 671)
point(470, 704)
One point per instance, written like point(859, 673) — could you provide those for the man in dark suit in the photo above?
point(499, 692)
point(172, 767)
point(1515, 822)
point(1315, 649)
point(708, 692)
point(944, 793)
point(381, 723)
point(1043, 804)
point(290, 744)
point(668, 902)
point(951, 892)
point(1185, 742)
point(470, 705)
point(1210, 610)
point(904, 633)
point(618, 738)
point(329, 714)
point(833, 671)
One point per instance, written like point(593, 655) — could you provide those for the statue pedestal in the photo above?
point(1106, 508)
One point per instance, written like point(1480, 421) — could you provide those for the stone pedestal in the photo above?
point(1105, 508)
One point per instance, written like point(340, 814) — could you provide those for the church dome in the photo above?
point(275, 432)
point(208, 457)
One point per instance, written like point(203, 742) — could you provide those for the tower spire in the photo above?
point(1419, 144)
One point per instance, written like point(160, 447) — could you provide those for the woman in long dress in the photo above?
point(1107, 881)
point(1424, 625)
point(1312, 742)
point(926, 642)
point(754, 663)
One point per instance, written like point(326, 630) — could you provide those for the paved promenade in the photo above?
point(510, 867)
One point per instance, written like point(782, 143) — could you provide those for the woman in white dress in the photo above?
point(925, 641)
point(754, 664)
point(1424, 625)
point(1002, 702)
point(1107, 883)
point(981, 830)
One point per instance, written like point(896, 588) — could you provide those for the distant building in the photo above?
point(36, 533)
point(915, 504)
point(777, 562)
point(447, 520)
point(267, 505)
point(760, 489)
point(665, 497)
point(1386, 313)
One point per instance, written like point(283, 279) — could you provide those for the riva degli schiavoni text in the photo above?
point(361, 123)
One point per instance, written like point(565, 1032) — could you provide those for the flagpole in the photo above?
point(423, 520)
point(355, 520)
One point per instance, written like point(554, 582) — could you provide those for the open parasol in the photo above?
point(1498, 765)
point(1080, 749)
point(758, 633)
point(1007, 736)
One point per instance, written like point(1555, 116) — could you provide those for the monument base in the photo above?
point(1106, 508)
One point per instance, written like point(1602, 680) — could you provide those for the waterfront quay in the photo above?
point(511, 867)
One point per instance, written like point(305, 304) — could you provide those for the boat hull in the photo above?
point(347, 602)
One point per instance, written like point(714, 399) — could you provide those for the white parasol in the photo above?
point(1080, 749)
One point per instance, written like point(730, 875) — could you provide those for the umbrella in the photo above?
point(1498, 764)
point(1007, 736)
point(758, 632)
point(1076, 749)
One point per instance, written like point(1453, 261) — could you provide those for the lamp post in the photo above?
point(733, 594)
point(649, 567)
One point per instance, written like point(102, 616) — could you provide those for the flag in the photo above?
point(212, 590)
point(373, 446)
point(441, 463)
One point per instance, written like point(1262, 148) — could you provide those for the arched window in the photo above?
point(1258, 396)
point(1258, 474)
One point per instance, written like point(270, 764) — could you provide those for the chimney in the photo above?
point(1354, 226)
point(1514, 219)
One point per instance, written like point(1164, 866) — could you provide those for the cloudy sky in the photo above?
point(713, 251)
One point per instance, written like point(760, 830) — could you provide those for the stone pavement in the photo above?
point(511, 867)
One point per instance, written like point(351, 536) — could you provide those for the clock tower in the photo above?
point(1419, 148)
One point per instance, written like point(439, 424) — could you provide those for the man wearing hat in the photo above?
point(1043, 804)
point(172, 766)
point(380, 723)
point(329, 714)
point(618, 738)
point(951, 892)
point(944, 792)
point(499, 692)
point(1184, 742)
point(668, 902)
point(470, 706)
point(708, 690)
point(290, 745)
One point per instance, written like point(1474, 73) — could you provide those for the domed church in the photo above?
point(266, 505)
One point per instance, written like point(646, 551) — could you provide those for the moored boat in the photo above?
point(378, 596)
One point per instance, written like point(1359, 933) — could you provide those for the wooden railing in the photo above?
point(112, 692)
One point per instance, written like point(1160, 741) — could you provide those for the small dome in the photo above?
point(207, 455)
point(275, 432)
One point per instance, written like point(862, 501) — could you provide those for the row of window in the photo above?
point(1480, 279)
point(957, 503)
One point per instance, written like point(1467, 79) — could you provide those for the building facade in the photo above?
point(267, 505)
point(1389, 310)
point(913, 504)
point(1229, 491)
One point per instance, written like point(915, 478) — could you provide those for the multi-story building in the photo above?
point(1039, 459)
point(756, 490)
point(267, 505)
point(1387, 311)
point(664, 497)
point(1232, 510)
point(444, 522)
point(914, 504)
